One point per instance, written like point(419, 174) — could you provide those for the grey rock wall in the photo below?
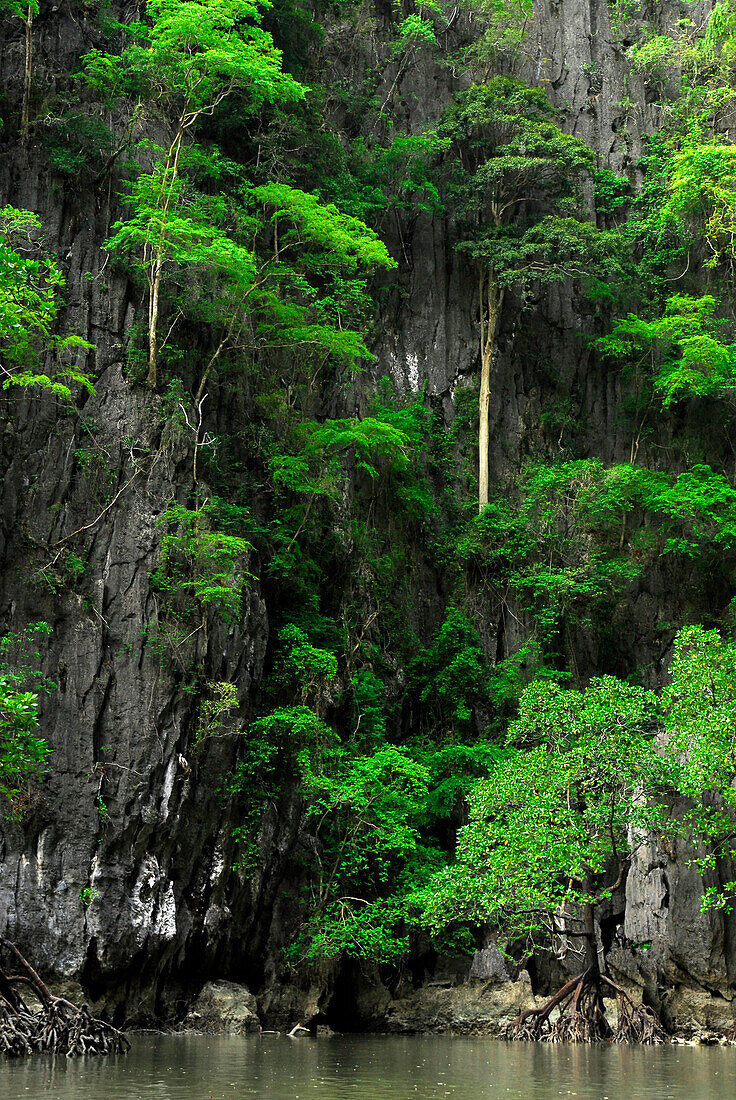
point(130, 813)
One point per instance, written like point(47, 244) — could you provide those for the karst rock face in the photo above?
point(132, 811)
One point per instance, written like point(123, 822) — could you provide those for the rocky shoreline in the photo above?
point(476, 1007)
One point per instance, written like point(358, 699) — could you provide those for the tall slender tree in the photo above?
point(516, 178)
point(188, 57)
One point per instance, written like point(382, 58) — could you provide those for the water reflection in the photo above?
point(375, 1068)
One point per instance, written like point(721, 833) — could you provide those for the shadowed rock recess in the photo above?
point(123, 876)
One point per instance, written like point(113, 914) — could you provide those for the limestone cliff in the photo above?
point(131, 809)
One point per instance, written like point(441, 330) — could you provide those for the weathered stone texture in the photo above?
point(224, 1008)
point(130, 812)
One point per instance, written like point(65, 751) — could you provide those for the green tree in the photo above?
point(23, 752)
point(279, 270)
point(451, 677)
point(578, 533)
point(516, 177)
point(305, 671)
point(27, 12)
point(702, 200)
point(503, 27)
point(201, 564)
point(550, 836)
point(586, 779)
point(696, 59)
point(188, 57)
point(319, 463)
point(366, 809)
point(174, 234)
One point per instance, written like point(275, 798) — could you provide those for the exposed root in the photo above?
point(56, 1026)
point(636, 1023)
point(581, 1017)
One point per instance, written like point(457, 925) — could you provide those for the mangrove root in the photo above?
point(55, 1025)
point(581, 1017)
point(636, 1023)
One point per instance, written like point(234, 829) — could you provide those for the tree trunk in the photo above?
point(576, 1013)
point(592, 957)
point(168, 183)
point(26, 103)
point(153, 322)
point(490, 312)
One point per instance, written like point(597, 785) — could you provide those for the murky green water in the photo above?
point(373, 1068)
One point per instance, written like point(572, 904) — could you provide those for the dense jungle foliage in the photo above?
point(493, 757)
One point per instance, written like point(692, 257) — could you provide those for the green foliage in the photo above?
point(312, 291)
point(583, 783)
point(699, 65)
point(658, 247)
point(202, 565)
point(581, 532)
point(87, 895)
point(376, 930)
point(503, 25)
point(688, 355)
point(23, 752)
point(413, 31)
point(368, 702)
point(319, 468)
point(351, 243)
point(322, 459)
point(508, 147)
point(308, 292)
point(394, 177)
point(516, 179)
point(655, 56)
point(305, 671)
point(542, 550)
point(191, 58)
point(216, 710)
point(368, 809)
point(621, 13)
point(452, 677)
point(29, 306)
point(19, 8)
point(192, 55)
point(77, 142)
point(186, 239)
point(555, 249)
point(702, 200)
point(553, 826)
point(612, 192)
point(268, 758)
point(454, 770)
point(700, 723)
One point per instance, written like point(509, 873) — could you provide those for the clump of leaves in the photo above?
point(202, 566)
point(29, 284)
point(700, 720)
point(686, 348)
point(23, 752)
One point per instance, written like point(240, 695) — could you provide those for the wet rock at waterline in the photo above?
point(224, 1008)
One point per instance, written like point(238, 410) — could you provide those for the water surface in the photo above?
point(272, 1067)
